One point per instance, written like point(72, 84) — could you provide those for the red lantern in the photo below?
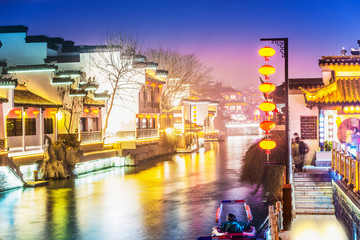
point(267, 126)
point(86, 110)
point(267, 52)
point(52, 112)
point(17, 111)
point(95, 111)
point(267, 87)
point(267, 144)
point(267, 70)
point(160, 86)
point(35, 112)
point(153, 85)
point(267, 106)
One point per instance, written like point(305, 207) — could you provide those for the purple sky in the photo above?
point(223, 33)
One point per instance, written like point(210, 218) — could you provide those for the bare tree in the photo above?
point(186, 74)
point(114, 63)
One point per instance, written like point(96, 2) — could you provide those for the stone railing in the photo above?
point(346, 166)
point(146, 133)
point(93, 136)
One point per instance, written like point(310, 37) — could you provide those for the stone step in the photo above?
point(313, 188)
point(328, 192)
point(312, 175)
point(311, 184)
point(314, 197)
point(313, 202)
point(316, 211)
point(314, 206)
point(302, 179)
point(323, 163)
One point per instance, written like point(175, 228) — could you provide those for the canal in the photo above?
point(169, 198)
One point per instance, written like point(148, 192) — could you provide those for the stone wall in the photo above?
point(144, 152)
point(347, 207)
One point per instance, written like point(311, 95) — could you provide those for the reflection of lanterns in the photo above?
point(267, 126)
point(170, 116)
point(338, 121)
point(346, 109)
point(95, 111)
point(267, 106)
point(266, 52)
point(17, 111)
point(267, 144)
point(267, 87)
point(266, 70)
point(86, 110)
point(52, 112)
point(141, 116)
point(35, 112)
point(155, 116)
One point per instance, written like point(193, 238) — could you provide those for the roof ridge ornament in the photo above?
point(343, 51)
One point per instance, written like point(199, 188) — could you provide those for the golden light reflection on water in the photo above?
point(168, 195)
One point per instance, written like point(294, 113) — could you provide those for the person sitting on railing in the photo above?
point(231, 225)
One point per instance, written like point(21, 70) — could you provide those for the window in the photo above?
point(83, 124)
point(14, 127)
point(30, 126)
point(48, 126)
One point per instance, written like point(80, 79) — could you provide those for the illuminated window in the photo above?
point(14, 127)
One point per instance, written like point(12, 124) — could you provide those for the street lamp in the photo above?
point(283, 44)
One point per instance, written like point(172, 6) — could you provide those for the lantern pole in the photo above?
point(287, 197)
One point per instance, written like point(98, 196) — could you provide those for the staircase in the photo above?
point(313, 191)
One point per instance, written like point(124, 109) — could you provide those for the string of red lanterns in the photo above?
point(267, 106)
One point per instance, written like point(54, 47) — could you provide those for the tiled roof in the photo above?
point(339, 60)
point(31, 68)
point(102, 96)
point(62, 58)
point(13, 29)
point(8, 83)
point(77, 93)
point(161, 73)
point(153, 78)
point(62, 81)
point(89, 102)
point(69, 73)
point(296, 83)
point(25, 98)
point(342, 91)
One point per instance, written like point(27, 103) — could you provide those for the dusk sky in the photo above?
point(224, 34)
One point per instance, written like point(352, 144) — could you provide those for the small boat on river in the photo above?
point(244, 216)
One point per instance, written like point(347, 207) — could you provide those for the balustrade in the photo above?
point(346, 165)
point(93, 136)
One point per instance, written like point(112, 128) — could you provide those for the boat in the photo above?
point(244, 216)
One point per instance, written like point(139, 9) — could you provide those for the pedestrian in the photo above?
point(295, 154)
point(303, 150)
point(295, 136)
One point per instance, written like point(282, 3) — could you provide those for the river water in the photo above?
point(169, 198)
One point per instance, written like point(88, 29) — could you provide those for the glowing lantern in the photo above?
point(155, 116)
point(267, 144)
point(266, 70)
point(153, 85)
point(357, 109)
point(35, 112)
point(338, 121)
point(346, 109)
point(17, 111)
point(170, 116)
point(86, 110)
point(267, 106)
point(352, 109)
point(140, 116)
point(160, 86)
point(266, 52)
point(267, 126)
point(52, 112)
point(267, 87)
point(95, 111)
point(148, 116)
point(146, 82)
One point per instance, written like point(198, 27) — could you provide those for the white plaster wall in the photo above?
point(18, 52)
point(297, 108)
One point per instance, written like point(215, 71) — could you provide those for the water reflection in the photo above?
point(169, 198)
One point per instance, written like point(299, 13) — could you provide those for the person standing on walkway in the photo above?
point(295, 154)
point(303, 150)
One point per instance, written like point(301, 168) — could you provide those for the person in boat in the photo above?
point(231, 225)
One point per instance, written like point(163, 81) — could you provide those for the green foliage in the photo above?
point(267, 176)
point(328, 146)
